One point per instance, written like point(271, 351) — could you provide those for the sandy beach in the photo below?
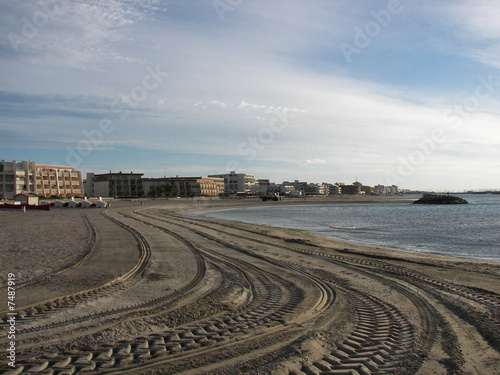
point(142, 288)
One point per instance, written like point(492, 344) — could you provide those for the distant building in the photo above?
point(189, 186)
point(300, 188)
point(114, 185)
point(289, 190)
point(329, 189)
point(335, 189)
point(41, 179)
point(235, 183)
point(368, 190)
point(261, 186)
point(352, 189)
point(274, 188)
point(385, 190)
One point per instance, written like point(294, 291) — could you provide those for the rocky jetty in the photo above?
point(440, 199)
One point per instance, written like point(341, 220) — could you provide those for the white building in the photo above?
point(326, 188)
point(299, 188)
point(385, 190)
point(235, 183)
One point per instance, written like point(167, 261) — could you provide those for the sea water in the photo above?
point(465, 230)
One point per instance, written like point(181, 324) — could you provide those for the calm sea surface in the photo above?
point(467, 231)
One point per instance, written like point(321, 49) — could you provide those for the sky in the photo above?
point(392, 92)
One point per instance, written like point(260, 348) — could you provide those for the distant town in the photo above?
point(52, 181)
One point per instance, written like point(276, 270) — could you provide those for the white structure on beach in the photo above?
point(101, 204)
point(86, 203)
point(72, 203)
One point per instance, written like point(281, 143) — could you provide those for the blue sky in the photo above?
point(392, 92)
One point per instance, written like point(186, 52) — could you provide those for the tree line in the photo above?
point(163, 191)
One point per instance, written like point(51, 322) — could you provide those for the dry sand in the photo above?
point(144, 289)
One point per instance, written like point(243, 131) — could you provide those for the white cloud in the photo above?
point(76, 34)
point(312, 161)
point(471, 29)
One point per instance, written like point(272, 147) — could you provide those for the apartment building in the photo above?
point(114, 184)
point(261, 186)
point(330, 189)
point(235, 183)
point(301, 188)
point(189, 186)
point(386, 190)
point(41, 179)
point(352, 189)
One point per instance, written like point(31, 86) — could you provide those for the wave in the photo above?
point(366, 229)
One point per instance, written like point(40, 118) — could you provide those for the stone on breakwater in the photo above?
point(440, 199)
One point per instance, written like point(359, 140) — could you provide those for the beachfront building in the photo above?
point(300, 188)
point(41, 179)
point(261, 186)
point(274, 188)
point(114, 185)
point(385, 190)
point(356, 188)
point(288, 190)
point(352, 189)
point(189, 186)
point(236, 183)
point(335, 189)
point(52, 180)
point(326, 188)
point(367, 190)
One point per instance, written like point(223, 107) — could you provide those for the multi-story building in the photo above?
point(274, 188)
point(114, 185)
point(301, 188)
point(189, 186)
point(43, 180)
point(235, 183)
point(329, 189)
point(389, 190)
point(367, 190)
point(261, 186)
point(352, 189)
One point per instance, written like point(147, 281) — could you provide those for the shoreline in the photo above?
point(323, 201)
